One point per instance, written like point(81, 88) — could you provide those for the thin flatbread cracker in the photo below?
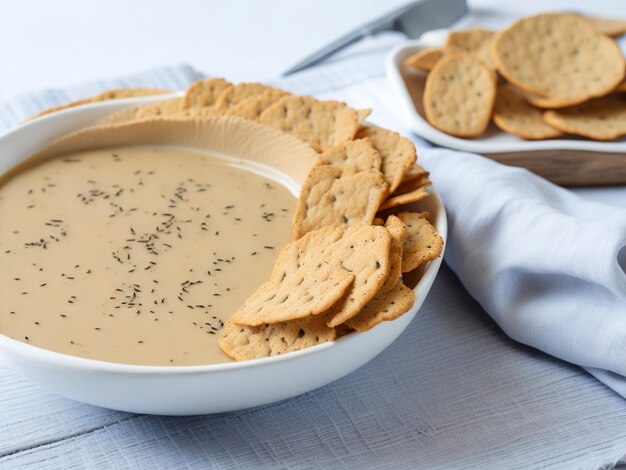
point(621, 87)
point(358, 155)
point(310, 290)
point(422, 244)
point(254, 342)
point(118, 93)
point(312, 275)
point(416, 171)
point(252, 108)
point(412, 184)
point(398, 232)
point(558, 56)
point(323, 124)
point(204, 92)
point(365, 252)
point(197, 112)
point(397, 153)
point(235, 94)
point(476, 42)
point(514, 115)
point(549, 102)
point(459, 95)
point(599, 119)
point(385, 306)
point(609, 26)
point(123, 93)
point(407, 198)
point(425, 59)
point(142, 112)
point(332, 196)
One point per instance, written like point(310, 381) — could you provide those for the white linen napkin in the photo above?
point(547, 265)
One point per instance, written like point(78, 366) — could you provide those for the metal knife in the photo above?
point(413, 20)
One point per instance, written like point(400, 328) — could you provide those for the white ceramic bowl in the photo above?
point(188, 390)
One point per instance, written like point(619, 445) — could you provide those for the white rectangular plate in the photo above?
point(572, 161)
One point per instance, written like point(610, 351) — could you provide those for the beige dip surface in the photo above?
point(137, 254)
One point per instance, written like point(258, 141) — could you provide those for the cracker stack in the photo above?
point(542, 77)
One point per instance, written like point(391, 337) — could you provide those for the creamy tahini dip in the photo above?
point(135, 255)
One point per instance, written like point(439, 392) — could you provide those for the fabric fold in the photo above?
point(547, 265)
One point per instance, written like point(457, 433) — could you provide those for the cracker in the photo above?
point(621, 87)
point(122, 93)
point(459, 95)
point(558, 56)
point(118, 93)
point(385, 306)
point(407, 198)
point(554, 103)
point(414, 183)
point(197, 112)
point(363, 114)
point(120, 117)
point(331, 196)
point(398, 232)
point(476, 42)
point(397, 153)
point(416, 171)
point(424, 59)
point(146, 111)
point(251, 108)
point(599, 119)
point(204, 92)
point(254, 342)
point(609, 26)
point(323, 124)
point(235, 94)
point(358, 155)
point(343, 330)
point(423, 243)
point(305, 281)
point(364, 251)
point(309, 290)
point(335, 270)
point(513, 114)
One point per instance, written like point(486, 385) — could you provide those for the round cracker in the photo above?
point(424, 59)
point(558, 56)
point(459, 95)
point(608, 26)
point(553, 103)
point(599, 119)
point(514, 115)
point(621, 87)
point(475, 41)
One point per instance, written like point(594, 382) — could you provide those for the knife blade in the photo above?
point(413, 20)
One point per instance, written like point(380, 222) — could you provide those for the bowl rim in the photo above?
point(52, 358)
